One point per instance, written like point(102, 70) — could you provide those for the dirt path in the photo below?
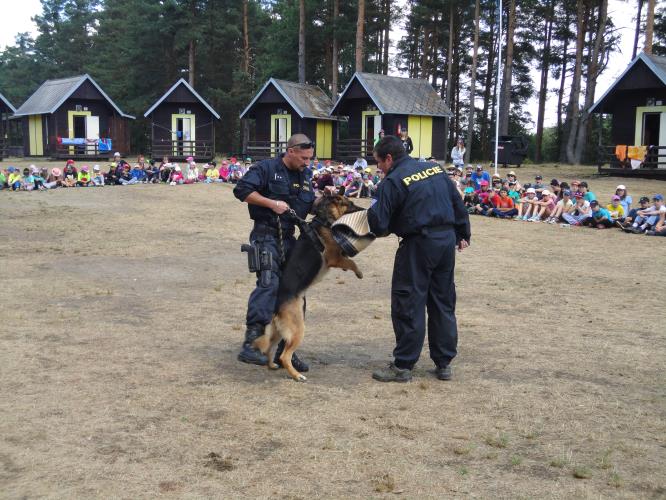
point(123, 311)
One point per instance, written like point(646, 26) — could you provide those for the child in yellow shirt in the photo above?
point(615, 209)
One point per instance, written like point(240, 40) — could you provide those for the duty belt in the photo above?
point(272, 230)
point(426, 230)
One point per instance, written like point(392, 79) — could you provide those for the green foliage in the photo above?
point(136, 49)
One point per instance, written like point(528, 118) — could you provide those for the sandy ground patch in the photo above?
point(123, 311)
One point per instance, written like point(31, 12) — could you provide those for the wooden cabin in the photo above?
point(282, 108)
point(73, 118)
point(182, 124)
point(378, 102)
point(637, 103)
point(6, 110)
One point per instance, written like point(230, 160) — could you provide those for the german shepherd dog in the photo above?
point(306, 265)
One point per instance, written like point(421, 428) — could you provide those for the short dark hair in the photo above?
point(390, 145)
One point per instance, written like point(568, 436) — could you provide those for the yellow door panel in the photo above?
point(414, 131)
point(324, 140)
point(35, 133)
point(426, 137)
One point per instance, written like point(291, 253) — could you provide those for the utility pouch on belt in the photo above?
point(253, 263)
point(265, 267)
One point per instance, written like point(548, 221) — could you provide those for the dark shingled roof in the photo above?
point(399, 96)
point(188, 87)
point(9, 104)
point(309, 101)
point(656, 64)
point(52, 93)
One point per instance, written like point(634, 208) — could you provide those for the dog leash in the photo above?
point(305, 229)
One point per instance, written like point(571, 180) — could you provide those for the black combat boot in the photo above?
point(249, 353)
point(300, 366)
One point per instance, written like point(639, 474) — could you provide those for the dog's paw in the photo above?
point(273, 366)
point(301, 378)
point(359, 275)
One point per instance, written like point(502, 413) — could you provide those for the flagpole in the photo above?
point(498, 87)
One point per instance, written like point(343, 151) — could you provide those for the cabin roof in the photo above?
point(53, 93)
point(9, 104)
point(309, 101)
point(188, 87)
point(399, 96)
point(656, 64)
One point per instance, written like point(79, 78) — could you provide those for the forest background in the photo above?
point(136, 49)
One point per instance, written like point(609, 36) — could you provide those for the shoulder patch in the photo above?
point(422, 175)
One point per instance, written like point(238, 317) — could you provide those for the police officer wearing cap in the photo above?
point(271, 188)
point(419, 203)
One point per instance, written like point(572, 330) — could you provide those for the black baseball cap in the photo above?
point(644, 199)
point(594, 203)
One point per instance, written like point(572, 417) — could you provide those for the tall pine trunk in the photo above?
point(387, 30)
point(449, 75)
point(649, 27)
point(638, 29)
point(472, 85)
point(490, 71)
point(573, 108)
point(505, 93)
point(543, 86)
point(334, 55)
point(190, 62)
point(595, 59)
point(301, 41)
point(246, 69)
point(561, 127)
point(246, 40)
point(360, 21)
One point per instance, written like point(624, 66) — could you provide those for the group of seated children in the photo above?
point(571, 204)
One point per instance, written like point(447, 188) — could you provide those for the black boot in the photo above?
point(249, 353)
point(300, 366)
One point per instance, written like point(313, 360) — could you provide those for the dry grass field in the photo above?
point(123, 311)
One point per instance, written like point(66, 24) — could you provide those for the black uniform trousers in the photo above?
point(261, 304)
point(423, 275)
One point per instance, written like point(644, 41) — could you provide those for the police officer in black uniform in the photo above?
point(419, 203)
point(271, 188)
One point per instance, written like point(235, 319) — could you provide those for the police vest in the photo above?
point(428, 199)
point(281, 186)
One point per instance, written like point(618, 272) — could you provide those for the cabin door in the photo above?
point(324, 139)
point(654, 129)
point(76, 128)
point(35, 133)
point(280, 133)
point(183, 134)
point(650, 126)
point(419, 129)
point(370, 127)
point(92, 133)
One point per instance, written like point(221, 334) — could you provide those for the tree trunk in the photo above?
point(505, 93)
point(638, 28)
point(246, 40)
point(472, 85)
point(543, 87)
point(387, 30)
point(590, 86)
point(425, 52)
point(360, 21)
point(575, 84)
point(190, 62)
point(649, 27)
point(334, 55)
point(301, 41)
point(485, 123)
point(246, 69)
point(449, 75)
point(561, 129)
